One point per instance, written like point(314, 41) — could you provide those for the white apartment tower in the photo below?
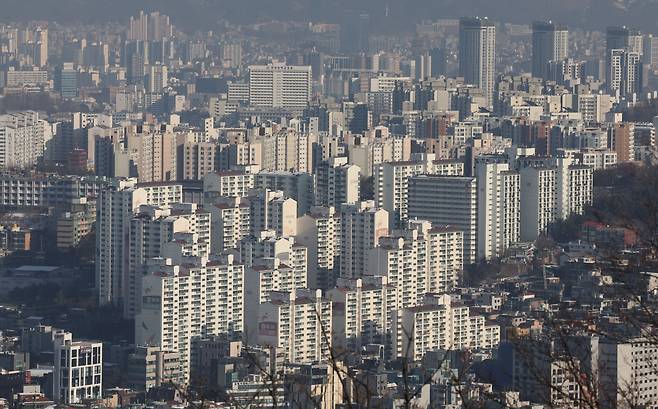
point(263, 277)
point(337, 183)
point(280, 86)
point(230, 221)
point(272, 274)
point(228, 184)
point(116, 206)
point(286, 150)
point(391, 181)
point(580, 190)
point(320, 231)
point(442, 324)
point(627, 374)
point(149, 27)
point(361, 315)
point(22, 140)
point(271, 210)
point(298, 325)
point(574, 184)
point(157, 78)
point(268, 244)
point(624, 73)
point(538, 200)
point(419, 260)
point(150, 229)
point(195, 297)
point(499, 212)
point(41, 49)
point(362, 225)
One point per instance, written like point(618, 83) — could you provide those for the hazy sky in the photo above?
point(198, 13)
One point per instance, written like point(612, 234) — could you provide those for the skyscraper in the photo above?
point(651, 51)
point(136, 58)
point(66, 80)
point(625, 71)
point(355, 31)
point(138, 27)
point(621, 38)
point(477, 54)
point(550, 42)
point(232, 54)
point(438, 62)
point(616, 38)
point(157, 78)
point(41, 47)
point(149, 27)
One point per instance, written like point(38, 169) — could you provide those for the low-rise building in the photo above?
point(78, 372)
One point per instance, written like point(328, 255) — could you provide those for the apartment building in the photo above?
point(286, 150)
point(116, 207)
point(199, 296)
point(150, 229)
point(337, 183)
point(447, 200)
point(361, 314)
point(498, 208)
point(44, 190)
point(362, 225)
point(228, 184)
point(23, 139)
point(319, 231)
point(280, 86)
point(391, 183)
point(271, 210)
point(419, 259)
point(295, 185)
point(230, 222)
point(538, 201)
point(441, 324)
point(297, 324)
point(264, 276)
point(149, 367)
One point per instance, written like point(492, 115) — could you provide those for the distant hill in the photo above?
point(403, 13)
